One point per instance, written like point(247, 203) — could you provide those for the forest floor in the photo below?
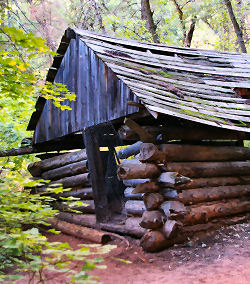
point(220, 257)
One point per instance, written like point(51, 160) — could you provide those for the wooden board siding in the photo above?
point(101, 96)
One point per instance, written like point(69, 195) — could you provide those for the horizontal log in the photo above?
point(132, 169)
point(82, 193)
point(171, 228)
point(202, 213)
point(87, 220)
point(87, 207)
point(68, 170)
point(131, 227)
point(18, 151)
point(85, 233)
point(153, 200)
point(189, 153)
point(174, 209)
point(207, 194)
point(214, 181)
point(169, 193)
point(182, 133)
point(135, 207)
point(172, 179)
point(152, 219)
point(134, 182)
point(150, 186)
point(132, 196)
point(73, 181)
point(209, 169)
point(37, 168)
point(129, 151)
point(153, 241)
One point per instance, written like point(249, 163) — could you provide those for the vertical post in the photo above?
point(97, 174)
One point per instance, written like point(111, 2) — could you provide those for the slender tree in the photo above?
point(236, 26)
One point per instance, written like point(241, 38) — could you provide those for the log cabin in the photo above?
point(185, 110)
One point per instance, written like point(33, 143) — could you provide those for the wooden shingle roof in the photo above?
point(193, 84)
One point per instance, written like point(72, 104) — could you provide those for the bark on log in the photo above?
point(37, 168)
point(88, 220)
point(135, 207)
point(209, 169)
point(205, 194)
point(134, 182)
point(202, 213)
point(18, 151)
point(80, 232)
point(152, 219)
point(179, 133)
point(150, 186)
point(88, 207)
point(152, 200)
point(131, 227)
point(135, 169)
point(171, 228)
point(68, 170)
point(129, 151)
point(214, 181)
point(172, 179)
point(188, 153)
point(82, 193)
point(74, 181)
point(132, 196)
point(153, 241)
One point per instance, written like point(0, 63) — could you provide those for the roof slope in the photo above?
point(192, 84)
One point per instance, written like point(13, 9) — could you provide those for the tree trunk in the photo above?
point(186, 153)
point(213, 182)
point(205, 194)
point(189, 36)
point(132, 169)
point(68, 170)
point(209, 169)
point(236, 26)
point(80, 232)
point(202, 213)
point(37, 168)
point(147, 16)
point(180, 15)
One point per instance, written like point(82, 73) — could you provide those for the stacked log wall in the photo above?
point(177, 189)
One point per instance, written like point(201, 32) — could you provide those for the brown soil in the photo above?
point(220, 257)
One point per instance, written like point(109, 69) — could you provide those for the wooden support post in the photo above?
point(97, 175)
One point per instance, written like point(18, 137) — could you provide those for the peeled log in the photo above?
point(172, 179)
point(152, 219)
point(134, 182)
point(214, 181)
point(205, 194)
point(68, 170)
point(80, 232)
point(152, 200)
point(202, 213)
point(151, 186)
point(153, 241)
point(37, 168)
point(135, 207)
point(188, 153)
point(209, 169)
point(135, 169)
point(171, 228)
point(129, 151)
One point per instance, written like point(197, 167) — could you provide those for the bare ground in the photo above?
point(219, 257)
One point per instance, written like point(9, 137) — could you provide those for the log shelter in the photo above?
point(184, 109)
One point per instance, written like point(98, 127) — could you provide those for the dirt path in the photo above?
point(223, 257)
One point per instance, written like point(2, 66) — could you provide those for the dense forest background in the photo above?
point(30, 31)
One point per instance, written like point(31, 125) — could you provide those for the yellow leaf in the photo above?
point(12, 62)
point(21, 67)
